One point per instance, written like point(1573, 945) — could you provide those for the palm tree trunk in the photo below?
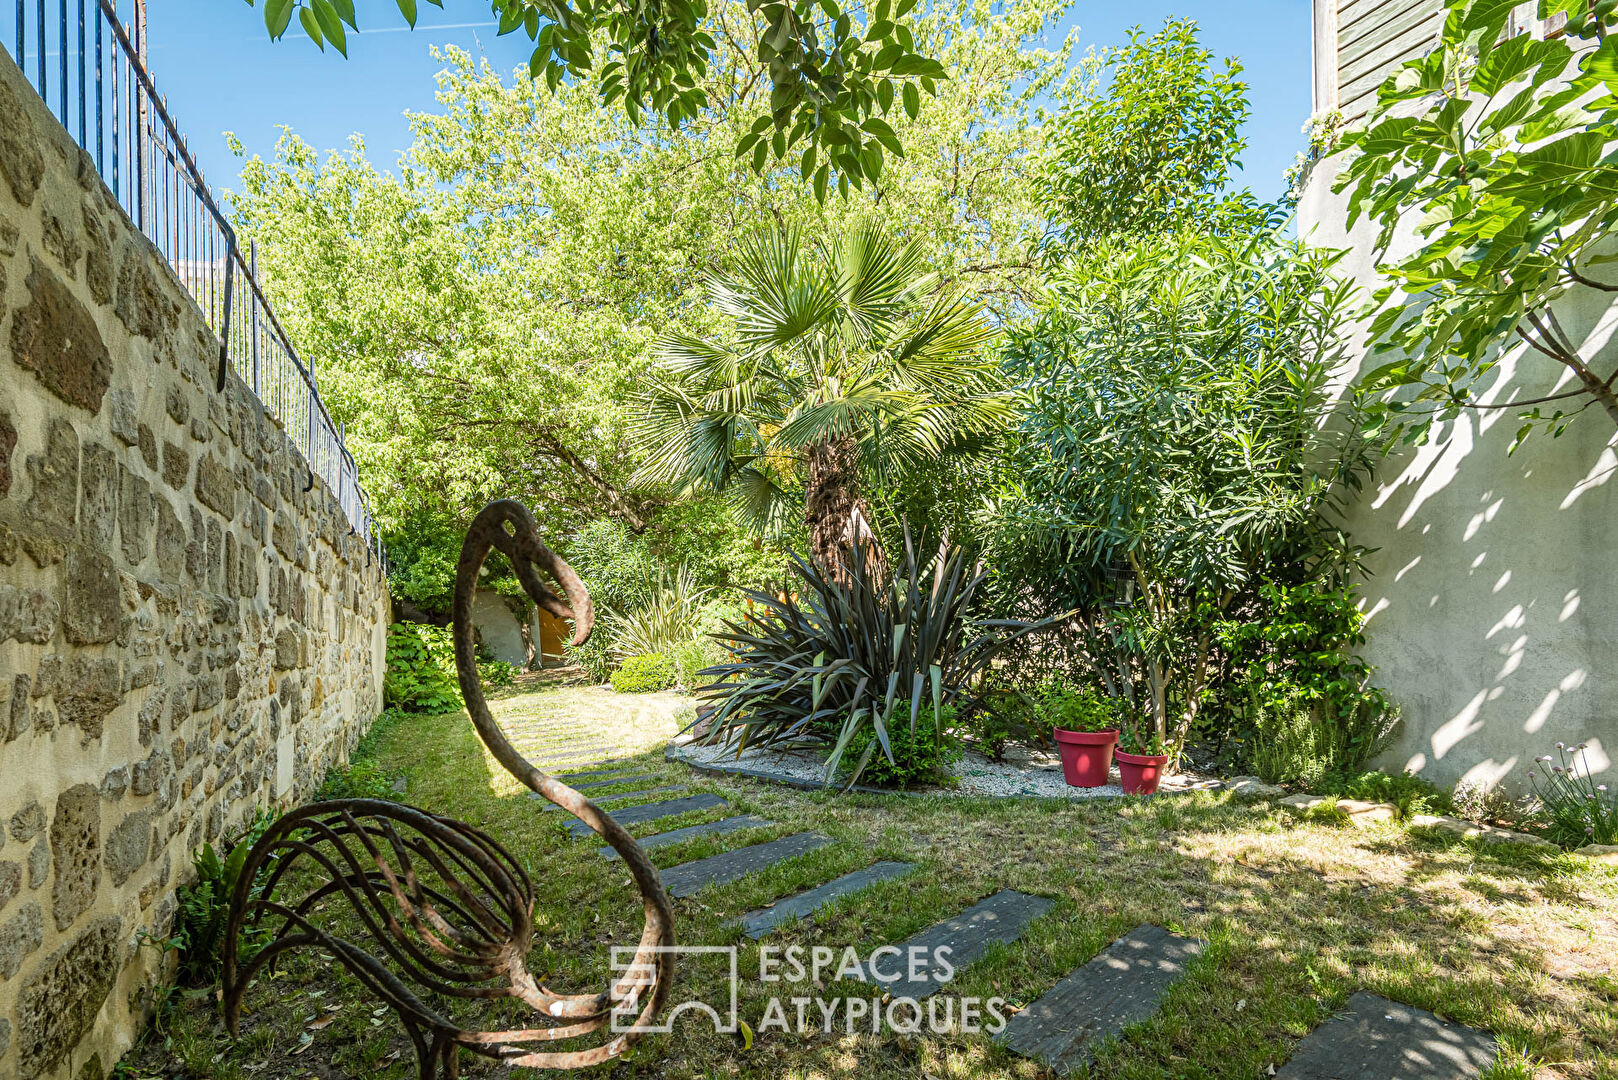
point(830, 500)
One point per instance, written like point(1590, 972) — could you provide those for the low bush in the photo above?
point(362, 777)
point(1060, 705)
point(1575, 810)
point(1301, 736)
point(421, 669)
point(204, 909)
point(691, 657)
point(991, 726)
point(497, 674)
point(1409, 793)
point(921, 753)
point(643, 674)
point(1490, 806)
point(828, 659)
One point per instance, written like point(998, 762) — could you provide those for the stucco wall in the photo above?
point(186, 634)
point(1493, 589)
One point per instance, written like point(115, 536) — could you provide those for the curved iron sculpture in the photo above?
point(449, 907)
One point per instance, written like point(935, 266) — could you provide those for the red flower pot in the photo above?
point(1139, 773)
point(1086, 755)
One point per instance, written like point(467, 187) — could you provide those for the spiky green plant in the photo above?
point(673, 617)
point(842, 654)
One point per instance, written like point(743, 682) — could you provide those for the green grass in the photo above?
point(1298, 913)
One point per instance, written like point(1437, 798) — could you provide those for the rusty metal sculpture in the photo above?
point(449, 907)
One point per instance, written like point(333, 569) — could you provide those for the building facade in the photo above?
point(1491, 587)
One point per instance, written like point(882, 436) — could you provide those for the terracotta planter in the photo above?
point(1139, 773)
point(1086, 755)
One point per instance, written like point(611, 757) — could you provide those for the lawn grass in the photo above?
point(1298, 914)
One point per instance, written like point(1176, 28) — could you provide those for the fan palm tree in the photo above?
point(855, 356)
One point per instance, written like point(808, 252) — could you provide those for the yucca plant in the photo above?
point(847, 650)
point(672, 618)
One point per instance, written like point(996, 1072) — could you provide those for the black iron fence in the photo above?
point(88, 66)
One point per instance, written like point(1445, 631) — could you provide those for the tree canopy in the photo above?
point(838, 74)
point(1501, 149)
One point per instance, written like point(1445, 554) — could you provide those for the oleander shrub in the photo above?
point(643, 674)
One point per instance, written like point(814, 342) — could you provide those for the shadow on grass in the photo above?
point(1298, 915)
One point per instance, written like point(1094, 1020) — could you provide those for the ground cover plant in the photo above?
point(1299, 914)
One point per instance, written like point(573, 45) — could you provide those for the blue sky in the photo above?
point(220, 74)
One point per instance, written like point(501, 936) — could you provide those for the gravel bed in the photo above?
point(1025, 772)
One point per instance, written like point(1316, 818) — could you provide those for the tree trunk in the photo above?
point(830, 500)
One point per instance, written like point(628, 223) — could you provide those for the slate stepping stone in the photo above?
point(691, 832)
point(687, 878)
point(618, 767)
point(1378, 1039)
point(1120, 986)
point(634, 815)
point(616, 782)
point(758, 923)
point(551, 807)
point(1002, 917)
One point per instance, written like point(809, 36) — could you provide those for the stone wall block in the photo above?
point(128, 846)
point(98, 496)
point(20, 159)
point(76, 848)
point(55, 337)
point(136, 514)
point(53, 504)
point(91, 610)
point(176, 466)
point(20, 936)
point(59, 1000)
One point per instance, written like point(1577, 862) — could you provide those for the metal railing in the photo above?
point(88, 67)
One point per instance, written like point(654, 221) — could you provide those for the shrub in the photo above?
point(670, 618)
point(691, 657)
point(919, 753)
point(643, 674)
point(1300, 736)
point(1574, 808)
point(497, 674)
point(1490, 806)
point(594, 656)
point(989, 728)
point(843, 651)
point(361, 778)
point(421, 669)
point(1409, 793)
point(1058, 705)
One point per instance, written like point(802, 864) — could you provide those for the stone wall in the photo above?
point(186, 633)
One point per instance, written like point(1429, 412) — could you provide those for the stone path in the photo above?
point(1378, 1039)
point(1000, 918)
point(551, 808)
point(570, 777)
point(755, 924)
point(692, 832)
point(634, 815)
point(688, 878)
point(1122, 985)
point(617, 781)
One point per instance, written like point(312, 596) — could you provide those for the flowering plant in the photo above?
point(1577, 809)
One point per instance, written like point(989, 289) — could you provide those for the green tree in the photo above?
point(479, 316)
point(834, 71)
point(1150, 147)
point(1500, 149)
point(833, 360)
point(1176, 449)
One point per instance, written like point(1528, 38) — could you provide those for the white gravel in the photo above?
point(1024, 772)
